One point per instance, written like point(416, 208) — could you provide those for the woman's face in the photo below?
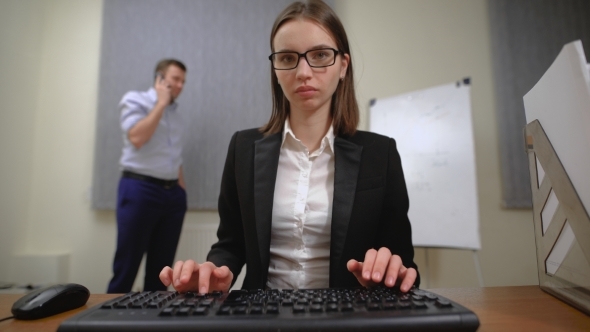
point(308, 89)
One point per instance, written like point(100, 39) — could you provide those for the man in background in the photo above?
point(151, 200)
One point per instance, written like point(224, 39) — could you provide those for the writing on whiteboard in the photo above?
point(434, 136)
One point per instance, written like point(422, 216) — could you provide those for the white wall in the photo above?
point(49, 59)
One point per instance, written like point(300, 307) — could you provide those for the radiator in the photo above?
point(195, 241)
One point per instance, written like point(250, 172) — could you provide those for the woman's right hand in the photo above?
point(190, 276)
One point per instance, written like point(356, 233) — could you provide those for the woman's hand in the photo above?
point(381, 266)
point(190, 276)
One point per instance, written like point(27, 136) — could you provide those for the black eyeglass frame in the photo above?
point(304, 55)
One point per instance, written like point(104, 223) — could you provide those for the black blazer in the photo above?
point(369, 209)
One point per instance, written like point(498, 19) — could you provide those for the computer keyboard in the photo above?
point(333, 309)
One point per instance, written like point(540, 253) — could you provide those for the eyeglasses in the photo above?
point(318, 58)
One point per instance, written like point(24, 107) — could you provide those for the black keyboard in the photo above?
point(354, 309)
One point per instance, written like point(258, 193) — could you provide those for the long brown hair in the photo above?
point(344, 107)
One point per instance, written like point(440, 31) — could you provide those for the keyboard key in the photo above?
point(191, 303)
point(443, 303)
point(272, 309)
point(167, 312)
point(419, 305)
point(139, 304)
point(154, 305)
point(177, 303)
point(316, 308)
point(124, 304)
point(332, 307)
point(404, 305)
point(431, 297)
point(256, 310)
point(182, 311)
point(391, 299)
point(297, 308)
point(206, 303)
point(216, 293)
point(224, 310)
point(389, 306)
point(200, 311)
point(373, 307)
point(346, 307)
point(106, 306)
point(239, 310)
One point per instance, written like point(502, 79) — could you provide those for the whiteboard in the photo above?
point(434, 135)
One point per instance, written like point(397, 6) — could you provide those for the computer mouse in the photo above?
point(49, 301)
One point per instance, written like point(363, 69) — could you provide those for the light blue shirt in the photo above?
point(161, 156)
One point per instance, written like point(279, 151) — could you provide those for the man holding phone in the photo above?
point(151, 200)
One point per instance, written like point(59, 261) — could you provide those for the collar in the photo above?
point(327, 139)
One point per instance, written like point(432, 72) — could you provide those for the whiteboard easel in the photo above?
point(434, 135)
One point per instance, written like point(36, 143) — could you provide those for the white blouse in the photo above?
point(302, 214)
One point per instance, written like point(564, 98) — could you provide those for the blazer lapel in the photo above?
point(266, 162)
point(346, 170)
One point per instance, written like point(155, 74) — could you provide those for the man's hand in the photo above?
point(190, 276)
point(143, 130)
point(164, 91)
point(381, 266)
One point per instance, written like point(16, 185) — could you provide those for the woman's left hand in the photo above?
point(381, 266)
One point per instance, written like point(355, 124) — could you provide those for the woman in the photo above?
point(307, 201)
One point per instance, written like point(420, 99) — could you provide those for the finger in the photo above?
point(186, 272)
point(354, 265)
point(222, 272)
point(380, 265)
point(176, 273)
point(393, 269)
point(166, 276)
point(225, 277)
point(370, 257)
point(356, 268)
point(409, 277)
point(205, 270)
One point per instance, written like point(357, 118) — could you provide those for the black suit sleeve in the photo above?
point(395, 231)
point(229, 250)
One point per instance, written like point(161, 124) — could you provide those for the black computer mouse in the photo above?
point(50, 300)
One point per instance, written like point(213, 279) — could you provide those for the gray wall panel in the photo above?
point(225, 45)
point(527, 36)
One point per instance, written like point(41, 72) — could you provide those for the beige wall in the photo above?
point(404, 45)
point(20, 62)
point(49, 60)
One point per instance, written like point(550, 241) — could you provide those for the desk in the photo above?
point(519, 308)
